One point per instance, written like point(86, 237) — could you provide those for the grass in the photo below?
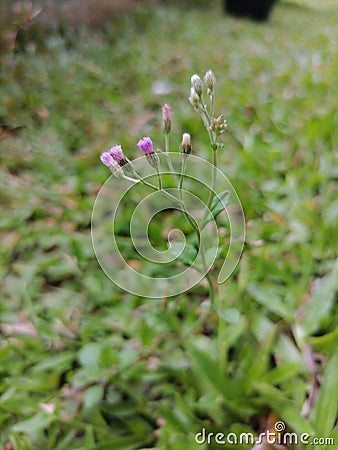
point(84, 365)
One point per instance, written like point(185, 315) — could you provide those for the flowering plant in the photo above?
point(201, 193)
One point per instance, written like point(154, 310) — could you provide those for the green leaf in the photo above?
point(35, 424)
point(327, 342)
point(282, 373)
point(219, 202)
point(89, 354)
point(270, 393)
point(269, 297)
point(318, 307)
point(291, 416)
point(90, 437)
point(92, 396)
point(209, 378)
point(58, 361)
point(324, 413)
point(187, 256)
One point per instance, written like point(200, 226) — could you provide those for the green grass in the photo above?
point(119, 372)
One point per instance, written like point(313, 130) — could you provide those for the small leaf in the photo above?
point(269, 297)
point(320, 303)
point(92, 396)
point(187, 256)
point(281, 374)
point(219, 202)
point(35, 424)
point(325, 410)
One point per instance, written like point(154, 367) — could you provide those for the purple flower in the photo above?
point(166, 113)
point(116, 153)
point(108, 160)
point(166, 118)
point(146, 146)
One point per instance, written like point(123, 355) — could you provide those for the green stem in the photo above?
point(197, 231)
point(207, 122)
point(213, 185)
point(221, 347)
point(166, 142)
point(159, 178)
point(155, 188)
point(170, 164)
point(212, 105)
point(180, 185)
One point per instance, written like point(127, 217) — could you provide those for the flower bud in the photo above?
point(166, 118)
point(112, 164)
point(108, 160)
point(218, 125)
point(116, 153)
point(194, 99)
point(197, 84)
point(146, 146)
point(185, 146)
point(209, 81)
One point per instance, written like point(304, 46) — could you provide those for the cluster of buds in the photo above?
point(198, 86)
point(218, 125)
point(114, 159)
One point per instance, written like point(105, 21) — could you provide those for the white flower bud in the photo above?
point(197, 84)
point(185, 146)
point(194, 99)
point(210, 81)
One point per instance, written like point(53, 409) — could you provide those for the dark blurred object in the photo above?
point(27, 23)
point(254, 9)
point(16, 18)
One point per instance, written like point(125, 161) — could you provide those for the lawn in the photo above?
point(86, 365)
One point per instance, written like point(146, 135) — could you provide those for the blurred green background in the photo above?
point(86, 366)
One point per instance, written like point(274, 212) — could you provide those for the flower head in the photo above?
point(112, 164)
point(146, 146)
point(194, 99)
point(166, 118)
point(185, 146)
point(116, 153)
point(197, 84)
point(108, 160)
point(166, 113)
point(210, 81)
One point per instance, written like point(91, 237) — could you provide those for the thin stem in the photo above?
point(183, 168)
point(197, 231)
point(155, 188)
point(170, 164)
point(131, 179)
point(166, 142)
point(159, 178)
point(213, 185)
point(180, 185)
point(207, 122)
point(212, 105)
point(211, 288)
